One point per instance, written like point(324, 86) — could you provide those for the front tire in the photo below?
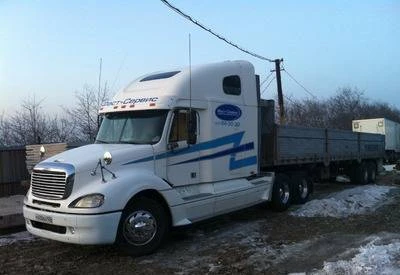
point(144, 224)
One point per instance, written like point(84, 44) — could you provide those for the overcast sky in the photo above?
point(51, 49)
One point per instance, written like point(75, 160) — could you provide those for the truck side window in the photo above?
point(179, 130)
point(231, 85)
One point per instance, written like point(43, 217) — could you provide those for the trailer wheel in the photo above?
point(359, 174)
point(371, 172)
point(302, 187)
point(142, 228)
point(281, 193)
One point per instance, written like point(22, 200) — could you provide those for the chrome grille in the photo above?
point(49, 184)
point(52, 180)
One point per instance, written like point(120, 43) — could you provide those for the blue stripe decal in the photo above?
point(233, 164)
point(241, 148)
point(236, 164)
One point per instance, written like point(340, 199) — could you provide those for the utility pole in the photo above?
point(279, 87)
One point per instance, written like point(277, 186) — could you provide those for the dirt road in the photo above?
point(251, 241)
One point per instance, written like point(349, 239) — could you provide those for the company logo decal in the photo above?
point(129, 101)
point(228, 112)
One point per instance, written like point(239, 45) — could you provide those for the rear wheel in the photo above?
point(359, 174)
point(281, 194)
point(301, 188)
point(143, 226)
point(371, 172)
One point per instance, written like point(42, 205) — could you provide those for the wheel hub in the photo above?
point(366, 176)
point(139, 228)
point(303, 189)
point(284, 193)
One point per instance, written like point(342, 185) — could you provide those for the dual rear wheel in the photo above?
point(296, 189)
point(363, 173)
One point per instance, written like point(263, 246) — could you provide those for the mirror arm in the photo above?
point(173, 145)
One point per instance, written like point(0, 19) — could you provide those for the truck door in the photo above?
point(183, 160)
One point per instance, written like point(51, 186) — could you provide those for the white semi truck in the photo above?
point(181, 146)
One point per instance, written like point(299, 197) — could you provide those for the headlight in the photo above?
point(88, 201)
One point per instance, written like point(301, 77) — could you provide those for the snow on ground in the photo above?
point(389, 168)
point(343, 178)
point(24, 236)
point(372, 258)
point(194, 250)
point(358, 200)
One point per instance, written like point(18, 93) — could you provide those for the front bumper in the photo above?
point(72, 228)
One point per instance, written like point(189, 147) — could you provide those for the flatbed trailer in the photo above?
point(321, 153)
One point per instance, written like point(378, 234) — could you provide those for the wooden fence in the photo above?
point(16, 164)
point(33, 155)
point(13, 172)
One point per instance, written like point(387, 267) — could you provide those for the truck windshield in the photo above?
point(137, 127)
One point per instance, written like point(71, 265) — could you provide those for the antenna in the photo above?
point(190, 74)
point(191, 125)
point(101, 61)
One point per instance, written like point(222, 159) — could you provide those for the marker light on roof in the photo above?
point(152, 104)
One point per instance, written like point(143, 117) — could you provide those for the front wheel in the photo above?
point(142, 228)
point(281, 194)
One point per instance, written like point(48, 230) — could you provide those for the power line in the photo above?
point(269, 83)
point(295, 103)
point(290, 100)
point(304, 88)
point(265, 80)
point(188, 17)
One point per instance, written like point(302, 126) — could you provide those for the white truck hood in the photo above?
point(86, 157)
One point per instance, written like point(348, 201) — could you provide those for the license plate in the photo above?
point(44, 218)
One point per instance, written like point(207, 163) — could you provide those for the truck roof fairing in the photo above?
point(168, 89)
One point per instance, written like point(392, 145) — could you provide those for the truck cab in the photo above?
point(173, 148)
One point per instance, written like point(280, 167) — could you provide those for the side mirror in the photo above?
point(192, 128)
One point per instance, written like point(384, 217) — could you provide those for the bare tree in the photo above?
point(379, 109)
point(344, 107)
point(62, 129)
point(338, 111)
point(28, 125)
point(84, 115)
point(309, 112)
point(4, 130)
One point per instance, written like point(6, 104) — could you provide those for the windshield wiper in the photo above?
point(129, 142)
point(101, 141)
